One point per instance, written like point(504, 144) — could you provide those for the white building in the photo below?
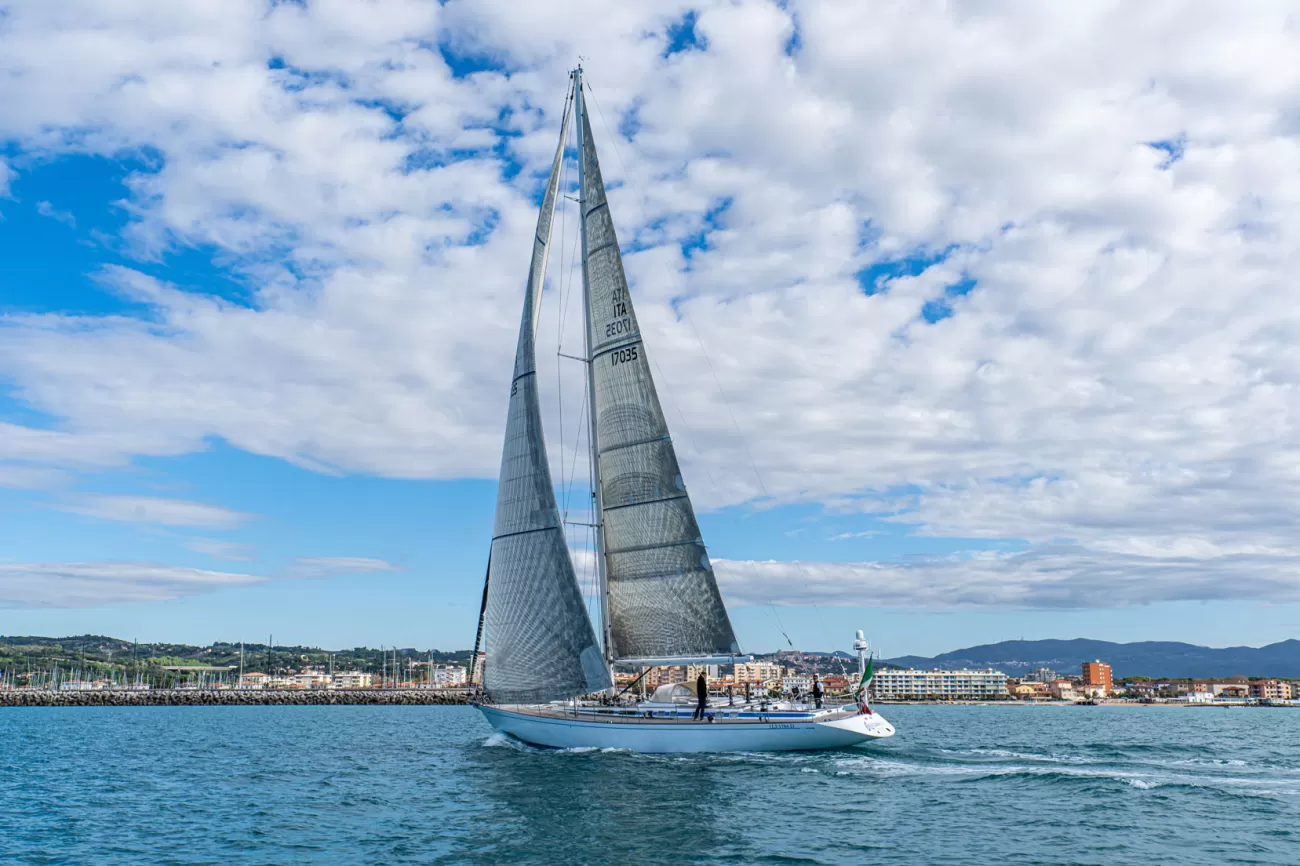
point(79, 686)
point(449, 676)
point(254, 681)
point(802, 682)
point(311, 680)
point(951, 685)
point(352, 680)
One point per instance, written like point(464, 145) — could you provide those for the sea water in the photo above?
point(398, 785)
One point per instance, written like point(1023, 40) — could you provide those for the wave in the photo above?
point(1041, 769)
point(500, 740)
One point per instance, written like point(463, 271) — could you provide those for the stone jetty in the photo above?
point(231, 697)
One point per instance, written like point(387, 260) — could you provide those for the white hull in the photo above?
point(559, 731)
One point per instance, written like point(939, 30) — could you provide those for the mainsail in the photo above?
point(539, 643)
point(663, 600)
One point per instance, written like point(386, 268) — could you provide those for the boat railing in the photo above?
point(720, 715)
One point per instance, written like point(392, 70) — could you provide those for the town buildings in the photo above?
point(449, 676)
point(836, 684)
point(758, 672)
point(254, 681)
point(802, 683)
point(1027, 689)
point(353, 680)
point(1062, 690)
point(1097, 679)
point(693, 671)
point(1272, 690)
point(665, 676)
point(891, 684)
point(1040, 675)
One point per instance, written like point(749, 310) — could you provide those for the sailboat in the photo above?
point(659, 600)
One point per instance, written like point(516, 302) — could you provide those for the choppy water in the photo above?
point(398, 785)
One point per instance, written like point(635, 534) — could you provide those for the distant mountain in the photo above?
point(1144, 658)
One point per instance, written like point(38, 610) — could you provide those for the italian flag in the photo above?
point(866, 678)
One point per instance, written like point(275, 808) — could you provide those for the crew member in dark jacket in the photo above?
point(701, 696)
point(817, 692)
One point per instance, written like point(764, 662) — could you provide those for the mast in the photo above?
point(482, 615)
point(593, 443)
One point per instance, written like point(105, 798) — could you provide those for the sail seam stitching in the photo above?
point(601, 248)
point(524, 532)
point(616, 347)
point(645, 502)
point(650, 547)
point(663, 438)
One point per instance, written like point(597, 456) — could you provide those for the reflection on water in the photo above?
point(592, 805)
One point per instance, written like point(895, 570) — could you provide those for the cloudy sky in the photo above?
point(971, 322)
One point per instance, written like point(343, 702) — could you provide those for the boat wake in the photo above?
point(499, 740)
point(1230, 777)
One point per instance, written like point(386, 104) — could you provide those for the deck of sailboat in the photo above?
point(724, 715)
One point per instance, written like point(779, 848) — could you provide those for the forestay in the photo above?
point(539, 643)
point(663, 598)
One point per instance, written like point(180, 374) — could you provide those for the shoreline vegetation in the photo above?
point(232, 697)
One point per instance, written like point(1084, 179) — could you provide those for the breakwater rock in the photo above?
point(231, 697)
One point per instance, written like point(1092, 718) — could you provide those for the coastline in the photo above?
point(426, 697)
point(233, 697)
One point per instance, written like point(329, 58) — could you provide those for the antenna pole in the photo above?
point(593, 441)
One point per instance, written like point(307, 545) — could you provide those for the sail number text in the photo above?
point(622, 324)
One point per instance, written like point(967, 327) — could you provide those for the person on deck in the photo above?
point(701, 696)
point(817, 692)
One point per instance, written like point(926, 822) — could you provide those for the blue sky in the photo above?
point(954, 352)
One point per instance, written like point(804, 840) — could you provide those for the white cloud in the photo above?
point(220, 549)
point(20, 476)
point(1047, 576)
point(1123, 374)
point(44, 208)
point(149, 509)
point(92, 584)
point(327, 566)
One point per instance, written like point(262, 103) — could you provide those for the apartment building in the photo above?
point(352, 680)
point(758, 672)
point(449, 676)
point(892, 684)
point(1097, 678)
point(1062, 690)
point(665, 676)
point(1272, 690)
